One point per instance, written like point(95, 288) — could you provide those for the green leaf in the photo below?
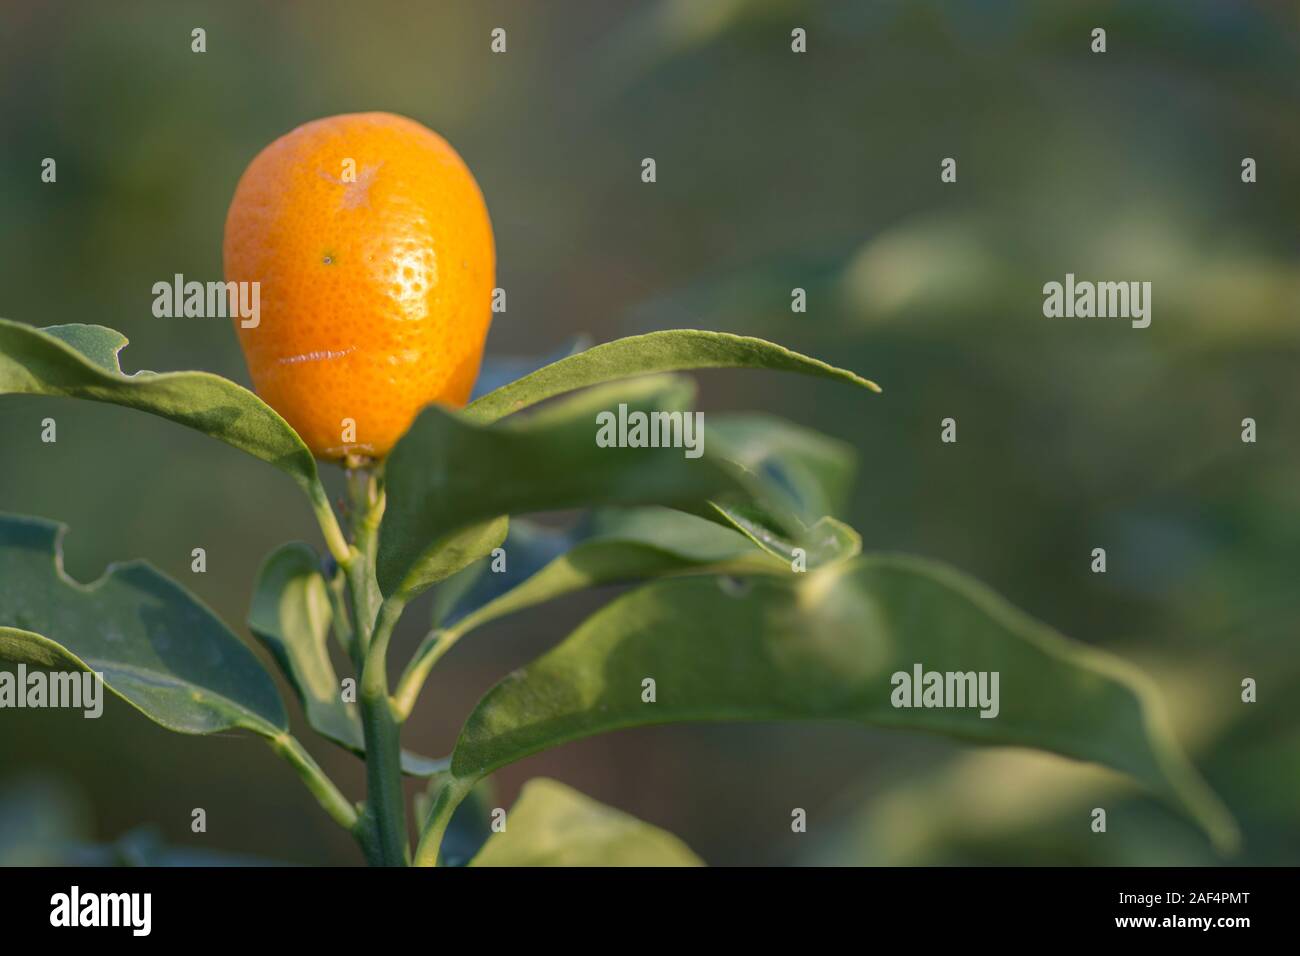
point(157, 646)
point(811, 474)
point(82, 361)
point(826, 645)
point(815, 470)
point(668, 351)
point(99, 344)
point(499, 370)
point(826, 542)
point(529, 546)
point(554, 825)
point(453, 552)
point(609, 546)
point(447, 477)
point(291, 615)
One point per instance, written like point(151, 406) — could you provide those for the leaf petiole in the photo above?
point(322, 788)
point(453, 793)
point(329, 522)
point(435, 644)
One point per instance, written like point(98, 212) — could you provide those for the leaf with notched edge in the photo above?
point(158, 647)
point(82, 361)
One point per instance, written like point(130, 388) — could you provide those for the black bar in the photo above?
point(297, 905)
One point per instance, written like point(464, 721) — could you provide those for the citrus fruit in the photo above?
point(372, 248)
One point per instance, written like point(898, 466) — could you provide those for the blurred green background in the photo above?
point(775, 170)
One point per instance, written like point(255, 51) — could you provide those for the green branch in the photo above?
point(322, 788)
point(452, 794)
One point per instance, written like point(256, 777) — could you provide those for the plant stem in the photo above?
point(322, 788)
point(381, 827)
point(385, 804)
point(435, 644)
point(367, 512)
point(433, 647)
point(453, 792)
point(361, 595)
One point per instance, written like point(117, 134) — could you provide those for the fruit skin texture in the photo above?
point(375, 294)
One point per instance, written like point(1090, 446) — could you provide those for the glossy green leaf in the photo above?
point(529, 546)
point(82, 361)
point(826, 645)
point(447, 477)
point(554, 825)
point(609, 546)
point(500, 370)
point(158, 647)
point(449, 554)
point(96, 342)
point(828, 540)
point(669, 351)
point(814, 470)
point(810, 473)
point(291, 615)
